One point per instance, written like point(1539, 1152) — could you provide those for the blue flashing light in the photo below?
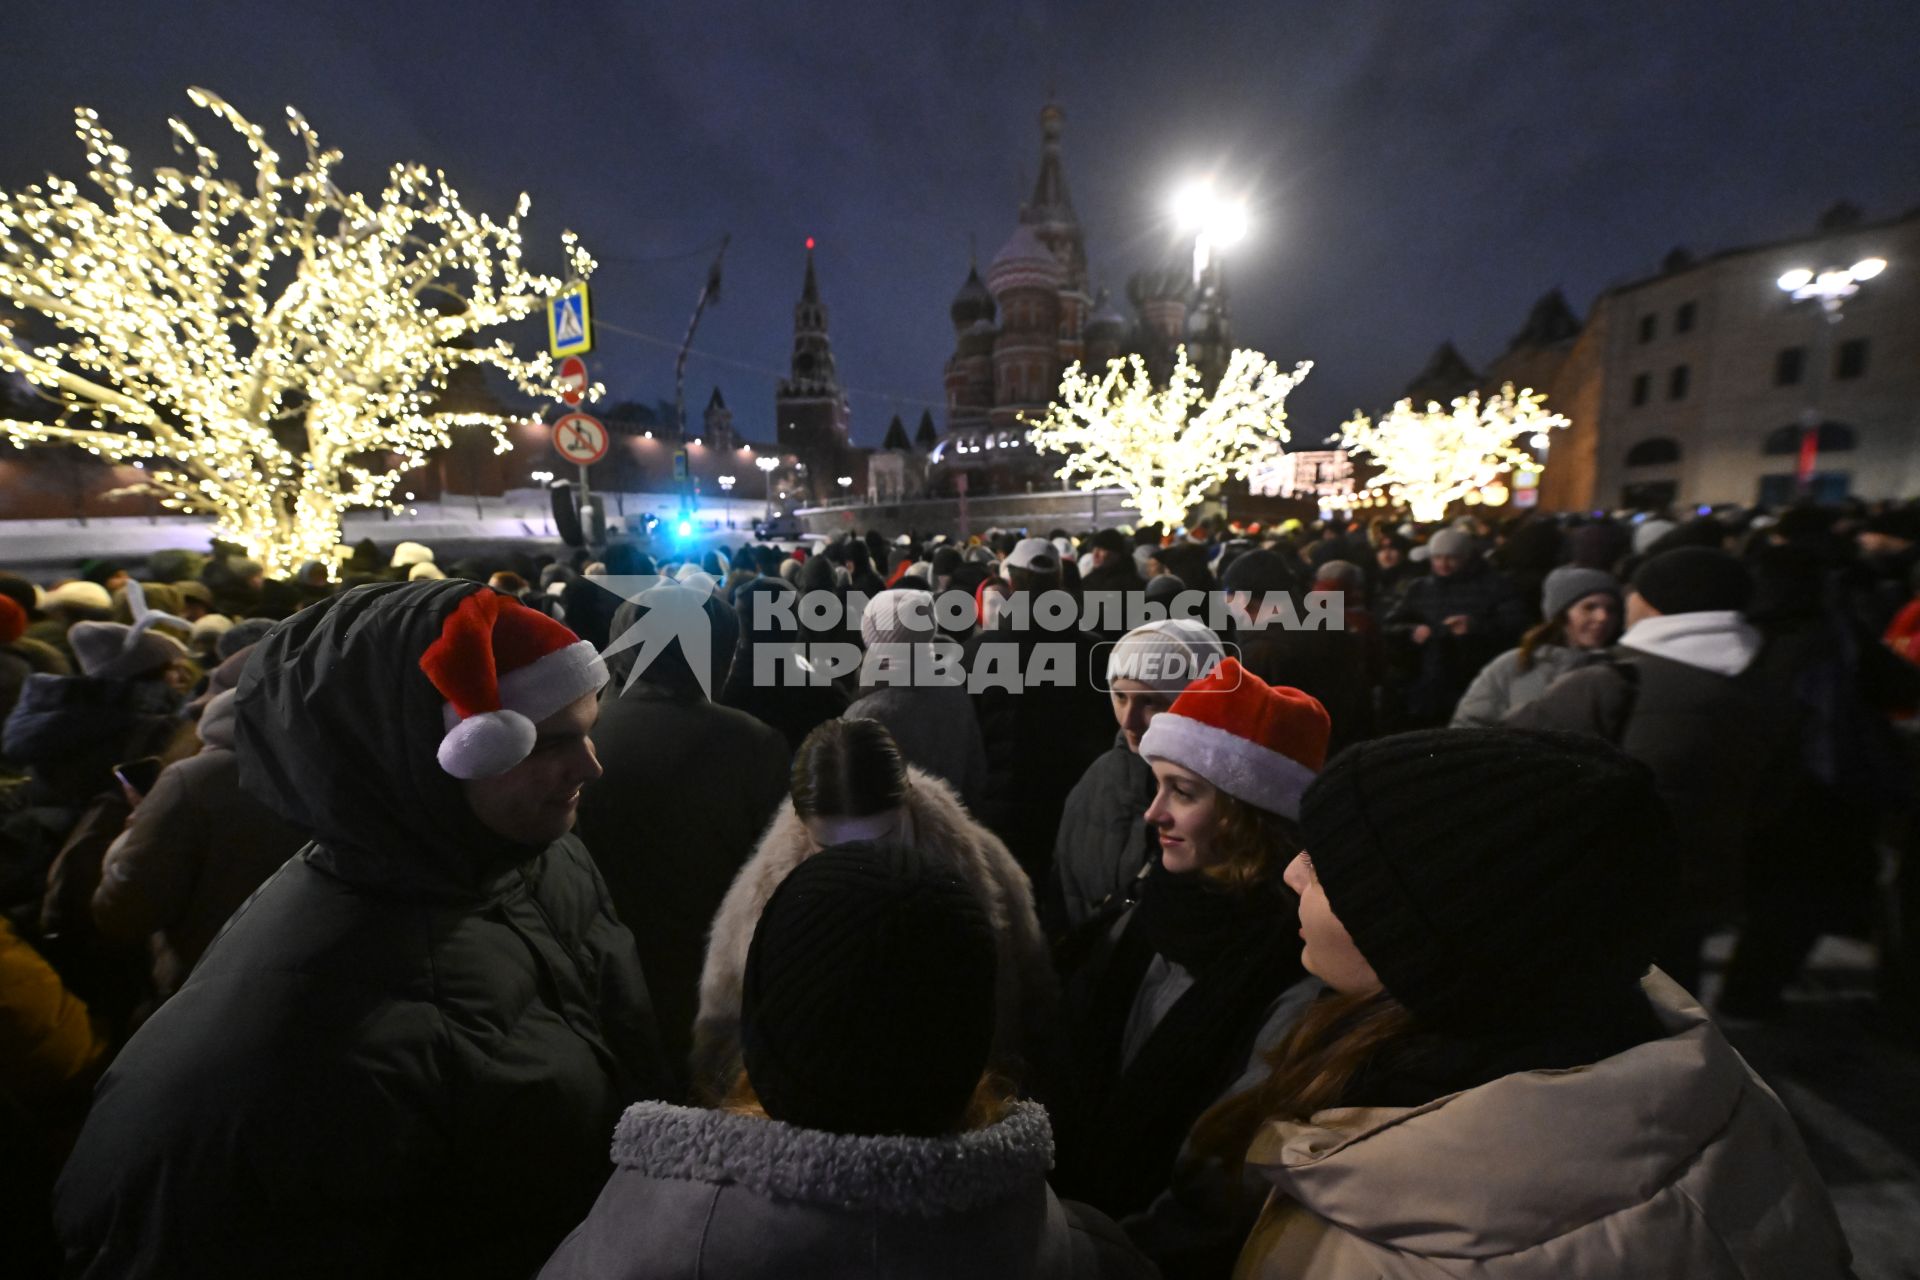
point(686, 528)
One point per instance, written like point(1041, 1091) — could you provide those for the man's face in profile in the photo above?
point(535, 802)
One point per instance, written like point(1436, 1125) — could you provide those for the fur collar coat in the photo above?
point(941, 826)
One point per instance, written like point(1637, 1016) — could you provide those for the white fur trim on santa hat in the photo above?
point(1244, 769)
point(486, 745)
point(541, 688)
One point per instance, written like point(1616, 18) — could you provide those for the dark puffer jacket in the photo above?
point(1039, 737)
point(1104, 842)
point(1446, 664)
point(405, 1053)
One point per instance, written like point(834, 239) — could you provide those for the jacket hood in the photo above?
point(1570, 1146)
point(668, 668)
point(337, 730)
point(216, 722)
point(921, 1177)
point(1719, 640)
point(61, 715)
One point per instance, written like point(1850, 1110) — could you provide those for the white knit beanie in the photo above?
point(1166, 656)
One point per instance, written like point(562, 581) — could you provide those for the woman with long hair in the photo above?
point(865, 1133)
point(849, 783)
point(1179, 992)
point(1498, 1083)
point(1583, 615)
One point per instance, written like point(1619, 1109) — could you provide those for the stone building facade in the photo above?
point(1705, 384)
point(1710, 376)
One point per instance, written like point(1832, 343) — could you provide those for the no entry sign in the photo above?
point(573, 380)
point(580, 439)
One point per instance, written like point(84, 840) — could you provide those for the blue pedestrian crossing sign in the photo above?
point(570, 321)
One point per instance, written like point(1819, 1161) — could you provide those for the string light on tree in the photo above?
point(269, 350)
point(1429, 458)
point(1167, 447)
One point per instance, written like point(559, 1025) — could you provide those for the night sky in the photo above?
point(1419, 171)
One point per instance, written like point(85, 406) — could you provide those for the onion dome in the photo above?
point(973, 303)
point(1169, 283)
point(1107, 323)
point(1024, 262)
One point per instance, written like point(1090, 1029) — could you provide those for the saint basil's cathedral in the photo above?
point(1016, 331)
point(1036, 313)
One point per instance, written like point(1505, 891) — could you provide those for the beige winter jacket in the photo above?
point(941, 826)
point(1670, 1159)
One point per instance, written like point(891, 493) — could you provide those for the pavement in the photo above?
point(1852, 1082)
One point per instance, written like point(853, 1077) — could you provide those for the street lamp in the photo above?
point(726, 489)
point(1830, 287)
point(1214, 221)
point(767, 467)
point(846, 487)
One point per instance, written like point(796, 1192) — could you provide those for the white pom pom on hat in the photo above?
point(487, 744)
point(502, 667)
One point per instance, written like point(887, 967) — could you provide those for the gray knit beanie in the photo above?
point(1569, 584)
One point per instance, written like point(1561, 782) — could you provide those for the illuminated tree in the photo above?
point(1429, 458)
point(1168, 446)
point(270, 351)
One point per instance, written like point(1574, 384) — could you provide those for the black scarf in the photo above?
point(1120, 1131)
point(1432, 1062)
point(1194, 920)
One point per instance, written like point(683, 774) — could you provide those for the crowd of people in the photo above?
point(399, 918)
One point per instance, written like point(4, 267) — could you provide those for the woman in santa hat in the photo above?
point(1188, 984)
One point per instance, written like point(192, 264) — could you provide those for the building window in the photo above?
point(1641, 383)
point(1835, 437)
point(1850, 361)
point(1683, 318)
point(1658, 451)
point(1677, 379)
point(1788, 366)
point(1648, 326)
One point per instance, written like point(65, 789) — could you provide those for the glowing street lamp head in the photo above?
point(766, 464)
point(1201, 210)
point(1798, 278)
point(1868, 268)
point(1193, 205)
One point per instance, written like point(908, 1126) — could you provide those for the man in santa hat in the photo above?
point(406, 1052)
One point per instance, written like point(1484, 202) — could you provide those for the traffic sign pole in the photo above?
point(582, 440)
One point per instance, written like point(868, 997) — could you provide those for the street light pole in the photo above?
point(1831, 287)
point(767, 467)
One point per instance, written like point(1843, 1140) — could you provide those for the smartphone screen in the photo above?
point(139, 774)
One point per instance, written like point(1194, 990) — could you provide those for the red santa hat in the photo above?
point(1257, 742)
point(502, 667)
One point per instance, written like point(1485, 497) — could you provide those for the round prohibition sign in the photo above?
point(580, 438)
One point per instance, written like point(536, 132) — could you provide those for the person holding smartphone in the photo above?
point(196, 846)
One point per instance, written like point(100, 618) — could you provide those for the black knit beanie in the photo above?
point(1694, 580)
point(1493, 877)
point(868, 1000)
